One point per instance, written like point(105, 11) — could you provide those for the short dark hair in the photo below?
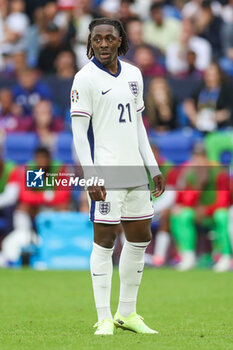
point(41, 149)
point(156, 5)
point(206, 4)
point(116, 24)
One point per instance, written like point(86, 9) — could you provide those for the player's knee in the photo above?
point(146, 236)
point(105, 235)
point(105, 242)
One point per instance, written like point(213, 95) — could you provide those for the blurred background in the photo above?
point(185, 52)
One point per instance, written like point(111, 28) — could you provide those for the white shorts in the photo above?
point(127, 204)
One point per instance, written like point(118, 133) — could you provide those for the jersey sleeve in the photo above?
point(140, 101)
point(80, 96)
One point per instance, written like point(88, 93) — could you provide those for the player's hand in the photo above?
point(97, 193)
point(159, 183)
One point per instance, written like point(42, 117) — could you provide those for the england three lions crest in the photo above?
point(104, 207)
point(133, 85)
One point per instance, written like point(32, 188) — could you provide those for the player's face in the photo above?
point(105, 41)
point(42, 160)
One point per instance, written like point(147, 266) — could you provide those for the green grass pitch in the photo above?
point(43, 310)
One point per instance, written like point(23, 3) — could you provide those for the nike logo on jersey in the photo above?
point(104, 92)
point(99, 274)
point(139, 271)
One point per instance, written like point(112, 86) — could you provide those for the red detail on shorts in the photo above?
point(137, 217)
point(117, 221)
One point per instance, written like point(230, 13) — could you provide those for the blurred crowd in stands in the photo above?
point(185, 52)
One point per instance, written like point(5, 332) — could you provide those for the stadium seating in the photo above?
point(175, 146)
point(66, 240)
point(63, 148)
point(20, 147)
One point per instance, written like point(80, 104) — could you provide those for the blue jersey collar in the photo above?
point(99, 65)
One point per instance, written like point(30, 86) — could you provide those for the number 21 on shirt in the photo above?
point(124, 113)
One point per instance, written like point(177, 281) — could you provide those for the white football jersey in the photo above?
point(112, 103)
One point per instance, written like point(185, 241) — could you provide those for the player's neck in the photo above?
point(113, 67)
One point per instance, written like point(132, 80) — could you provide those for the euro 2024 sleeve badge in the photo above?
point(74, 96)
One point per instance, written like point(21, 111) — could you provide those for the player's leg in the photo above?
point(162, 239)
point(221, 219)
point(106, 219)
point(101, 273)
point(136, 214)
point(22, 235)
point(138, 236)
point(184, 231)
point(162, 207)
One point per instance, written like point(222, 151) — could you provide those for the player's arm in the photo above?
point(81, 112)
point(10, 194)
point(80, 127)
point(149, 159)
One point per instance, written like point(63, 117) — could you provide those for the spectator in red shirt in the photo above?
point(203, 198)
point(29, 202)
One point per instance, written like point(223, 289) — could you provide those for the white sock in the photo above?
point(162, 242)
point(130, 269)
point(101, 273)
